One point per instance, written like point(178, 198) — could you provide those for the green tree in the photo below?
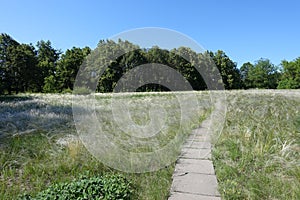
point(263, 75)
point(244, 70)
point(291, 75)
point(50, 85)
point(118, 57)
point(18, 66)
point(184, 60)
point(47, 58)
point(228, 69)
point(22, 62)
point(67, 68)
point(7, 44)
point(156, 55)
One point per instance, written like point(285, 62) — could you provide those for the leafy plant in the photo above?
point(97, 187)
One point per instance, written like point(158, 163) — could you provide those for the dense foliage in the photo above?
point(291, 75)
point(263, 74)
point(42, 68)
point(85, 188)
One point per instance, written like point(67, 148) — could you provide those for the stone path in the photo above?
point(194, 176)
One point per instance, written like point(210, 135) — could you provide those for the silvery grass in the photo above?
point(257, 155)
point(36, 112)
point(139, 132)
point(39, 143)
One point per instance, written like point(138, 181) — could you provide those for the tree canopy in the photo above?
point(263, 74)
point(291, 75)
point(42, 68)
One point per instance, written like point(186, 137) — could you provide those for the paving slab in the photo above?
point(193, 144)
point(206, 123)
point(193, 183)
point(187, 196)
point(195, 153)
point(200, 131)
point(184, 166)
point(194, 176)
point(199, 138)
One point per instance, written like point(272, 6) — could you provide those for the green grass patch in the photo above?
point(257, 156)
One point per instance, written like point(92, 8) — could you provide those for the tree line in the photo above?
point(42, 68)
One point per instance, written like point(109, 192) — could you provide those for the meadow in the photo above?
point(256, 155)
point(40, 146)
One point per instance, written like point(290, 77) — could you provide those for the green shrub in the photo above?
point(67, 91)
point(82, 90)
point(87, 188)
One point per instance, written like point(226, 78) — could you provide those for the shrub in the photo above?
point(82, 90)
point(67, 91)
point(87, 188)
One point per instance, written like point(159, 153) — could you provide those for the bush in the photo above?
point(87, 188)
point(67, 91)
point(82, 90)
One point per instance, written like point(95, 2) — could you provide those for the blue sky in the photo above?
point(245, 30)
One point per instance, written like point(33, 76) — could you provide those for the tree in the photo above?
point(228, 69)
point(118, 58)
point(47, 58)
point(291, 75)
point(263, 75)
point(184, 60)
point(7, 44)
point(244, 70)
point(18, 66)
point(22, 62)
point(67, 68)
point(156, 55)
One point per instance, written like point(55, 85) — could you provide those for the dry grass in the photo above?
point(40, 146)
point(257, 155)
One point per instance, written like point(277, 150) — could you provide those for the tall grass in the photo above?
point(39, 145)
point(257, 156)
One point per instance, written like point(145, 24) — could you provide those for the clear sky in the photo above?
point(245, 29)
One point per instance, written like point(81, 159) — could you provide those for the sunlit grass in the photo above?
point(39, 145)
point(258, 153)
point(257, 156)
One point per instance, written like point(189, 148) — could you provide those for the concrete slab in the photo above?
point(200, 131)
point(199, 138)
point(197, 145)
point(195, 153)
point(200, 184)
point(187, 196)
point(193, 166)
point(206, 123)
point(194, 176)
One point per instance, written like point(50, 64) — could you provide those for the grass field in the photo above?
point(40, 146)
point(256, 156)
